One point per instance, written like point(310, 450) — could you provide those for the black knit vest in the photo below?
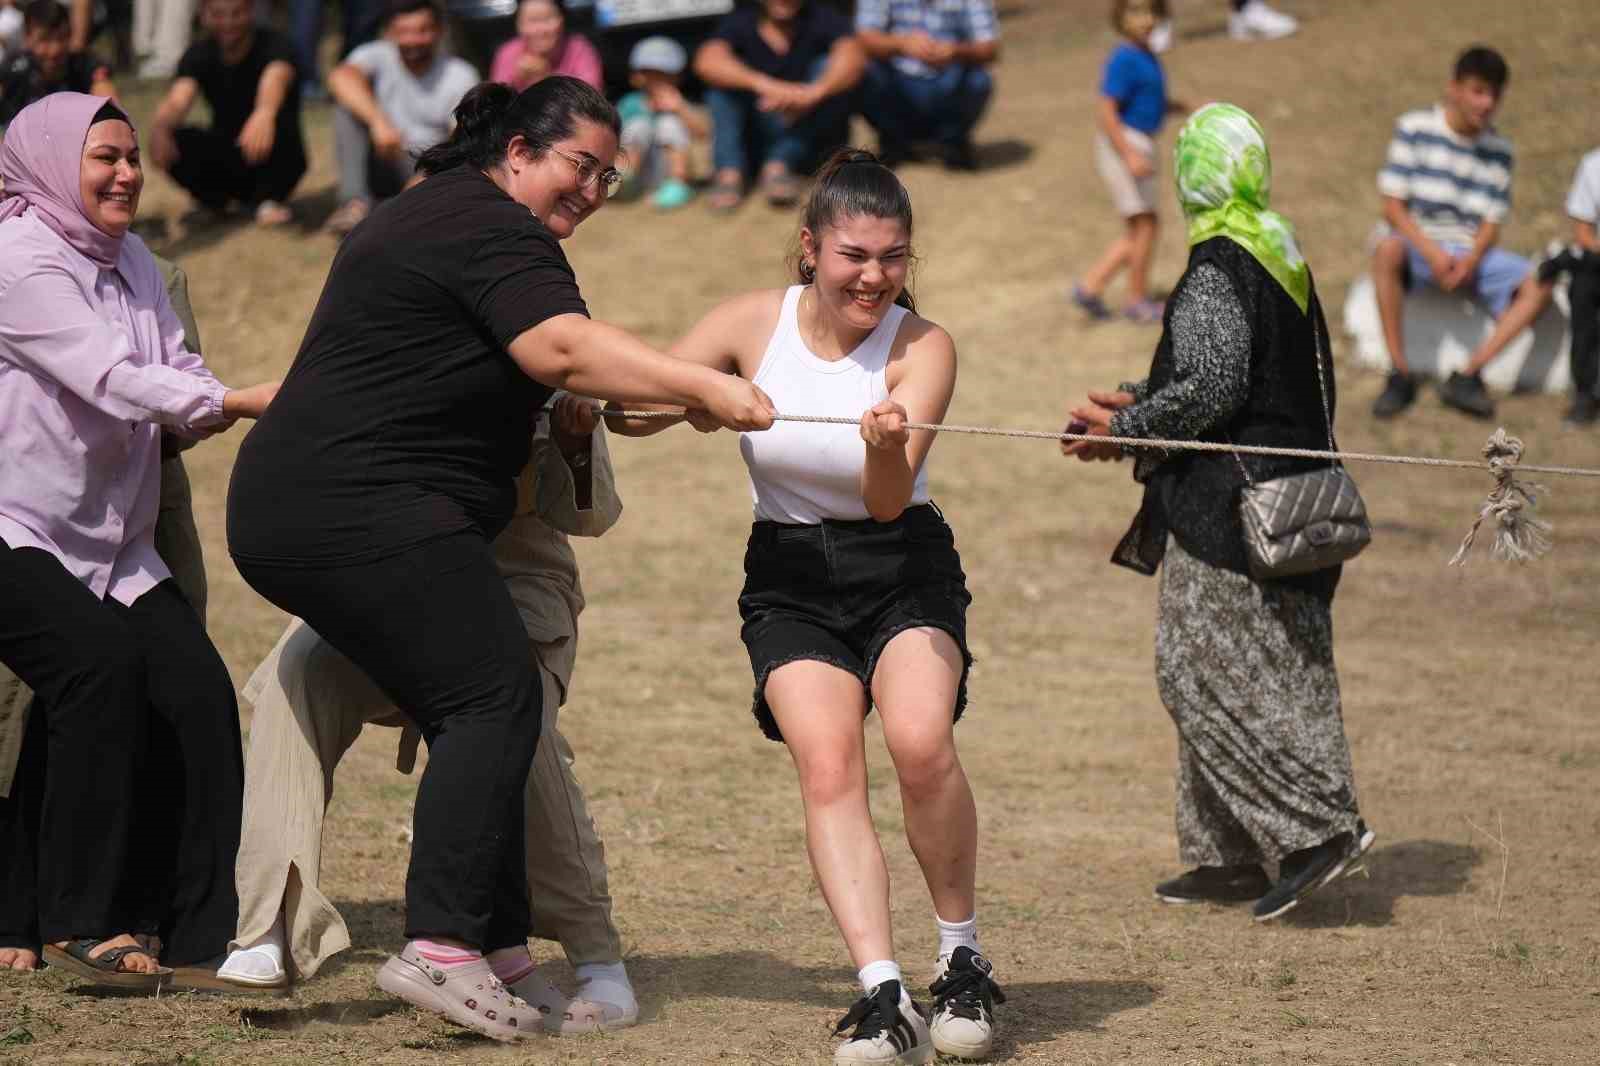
point(1195, 495)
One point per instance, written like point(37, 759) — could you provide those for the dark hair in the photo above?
point(854, 184)
point(1119, 11)
point(108, 112)
point(395, 8)
point(1484, 63)
point(491, 114)
point(46, 16)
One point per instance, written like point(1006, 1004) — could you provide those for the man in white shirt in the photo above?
point(396, 98)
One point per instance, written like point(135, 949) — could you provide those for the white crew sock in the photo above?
point(606, 983)
point(874, 974)
point(954, 935)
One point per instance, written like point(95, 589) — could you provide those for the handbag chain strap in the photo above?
point(1322, 387)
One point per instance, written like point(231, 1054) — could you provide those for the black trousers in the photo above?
point(124, 815)
point(214, 171)
point(436, 629)
point(1585, 297)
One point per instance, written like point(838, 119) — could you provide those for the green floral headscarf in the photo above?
point(1224, 185)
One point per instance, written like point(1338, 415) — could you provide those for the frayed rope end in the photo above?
point(1520, 537)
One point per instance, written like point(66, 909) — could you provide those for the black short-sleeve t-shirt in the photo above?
point(818, 27)
point(403, 418)
point(230, 91)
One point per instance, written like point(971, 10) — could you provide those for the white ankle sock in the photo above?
point(954, 935)
point(874, 974)
point(606, 982)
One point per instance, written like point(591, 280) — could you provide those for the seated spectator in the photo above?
point(136, 745)
point(177, 542)
point(779, 77)
point(397, 98)
point(253, 153)
point(1446, 186)
point(1583, 260)
point(47, 63)
point(928, 79)
point(543, 47)
point(658, 124)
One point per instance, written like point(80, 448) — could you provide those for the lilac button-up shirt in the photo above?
point(92, 366)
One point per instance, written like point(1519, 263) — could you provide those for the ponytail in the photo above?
point(491, 114)
point(854, 183)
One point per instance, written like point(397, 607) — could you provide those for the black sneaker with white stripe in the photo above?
point(888, 1029)
point(964, 995)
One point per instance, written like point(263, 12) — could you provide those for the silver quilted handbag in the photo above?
point(1303, 522)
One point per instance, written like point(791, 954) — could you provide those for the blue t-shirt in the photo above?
point(1135, 80)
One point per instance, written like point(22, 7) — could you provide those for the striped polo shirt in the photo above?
point(1450, 184)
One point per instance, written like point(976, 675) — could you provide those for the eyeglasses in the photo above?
point(589, 172)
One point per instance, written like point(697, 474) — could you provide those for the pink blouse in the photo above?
point(578, 59)
point(92, 365)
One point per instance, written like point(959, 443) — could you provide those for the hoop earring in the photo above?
point(808, 271)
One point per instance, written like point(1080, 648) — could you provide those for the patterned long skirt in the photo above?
point(1246, 671)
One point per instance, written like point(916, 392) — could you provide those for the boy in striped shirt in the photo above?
point(1446, 186)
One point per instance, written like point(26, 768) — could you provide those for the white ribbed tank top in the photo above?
point(804, 472)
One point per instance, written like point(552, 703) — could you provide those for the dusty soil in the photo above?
point(1470, 695)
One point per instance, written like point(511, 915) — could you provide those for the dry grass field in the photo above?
point(1472, 696)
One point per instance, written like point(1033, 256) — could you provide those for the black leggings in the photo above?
point(1585, 297)
point(435, 628)
point(124, 814)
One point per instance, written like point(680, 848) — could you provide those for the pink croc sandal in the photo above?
point(468, 994)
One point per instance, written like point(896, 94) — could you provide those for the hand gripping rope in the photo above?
point(1520, 536)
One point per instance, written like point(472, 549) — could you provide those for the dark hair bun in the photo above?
point(484, 105)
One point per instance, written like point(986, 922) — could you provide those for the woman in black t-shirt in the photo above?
point(367, 503)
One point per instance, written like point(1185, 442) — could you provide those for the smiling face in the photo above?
point(110, 177)
point(539, 24)
point(548, 183)
point(229, 21)
point(861, 264)
point(49, 48)
point(1474, 101)
point(416, 35)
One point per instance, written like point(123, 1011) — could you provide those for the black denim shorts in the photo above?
point(840, 591)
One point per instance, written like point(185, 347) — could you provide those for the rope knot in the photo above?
point(1519, 535)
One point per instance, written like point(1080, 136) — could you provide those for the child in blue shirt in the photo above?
point(1132, 106)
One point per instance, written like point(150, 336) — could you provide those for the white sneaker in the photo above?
point(1258, 22)
point(964, 995)
point(888, 1029)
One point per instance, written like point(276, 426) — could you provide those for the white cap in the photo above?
point(658, 53)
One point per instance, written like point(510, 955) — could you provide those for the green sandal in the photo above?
point(107, 969)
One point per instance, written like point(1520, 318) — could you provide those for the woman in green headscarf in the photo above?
point(1244, 666)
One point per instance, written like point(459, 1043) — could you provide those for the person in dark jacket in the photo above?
point(1244, 666)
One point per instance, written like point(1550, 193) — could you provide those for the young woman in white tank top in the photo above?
point(854, 595)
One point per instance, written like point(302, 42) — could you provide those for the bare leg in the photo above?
point(914, 687)
point(1110, 262)
point(1388, 263)
point(819, 708)
point(677, 163)
point(1141, 247)
point(1532, 298)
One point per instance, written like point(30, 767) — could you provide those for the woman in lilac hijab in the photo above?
point(96, 845)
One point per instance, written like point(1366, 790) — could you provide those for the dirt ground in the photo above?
point(1470, 695)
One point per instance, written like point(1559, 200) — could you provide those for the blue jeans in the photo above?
point(743, 137)
point(943, 108)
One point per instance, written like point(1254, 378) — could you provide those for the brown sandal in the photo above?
point(726, 195)
point(106, 968)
